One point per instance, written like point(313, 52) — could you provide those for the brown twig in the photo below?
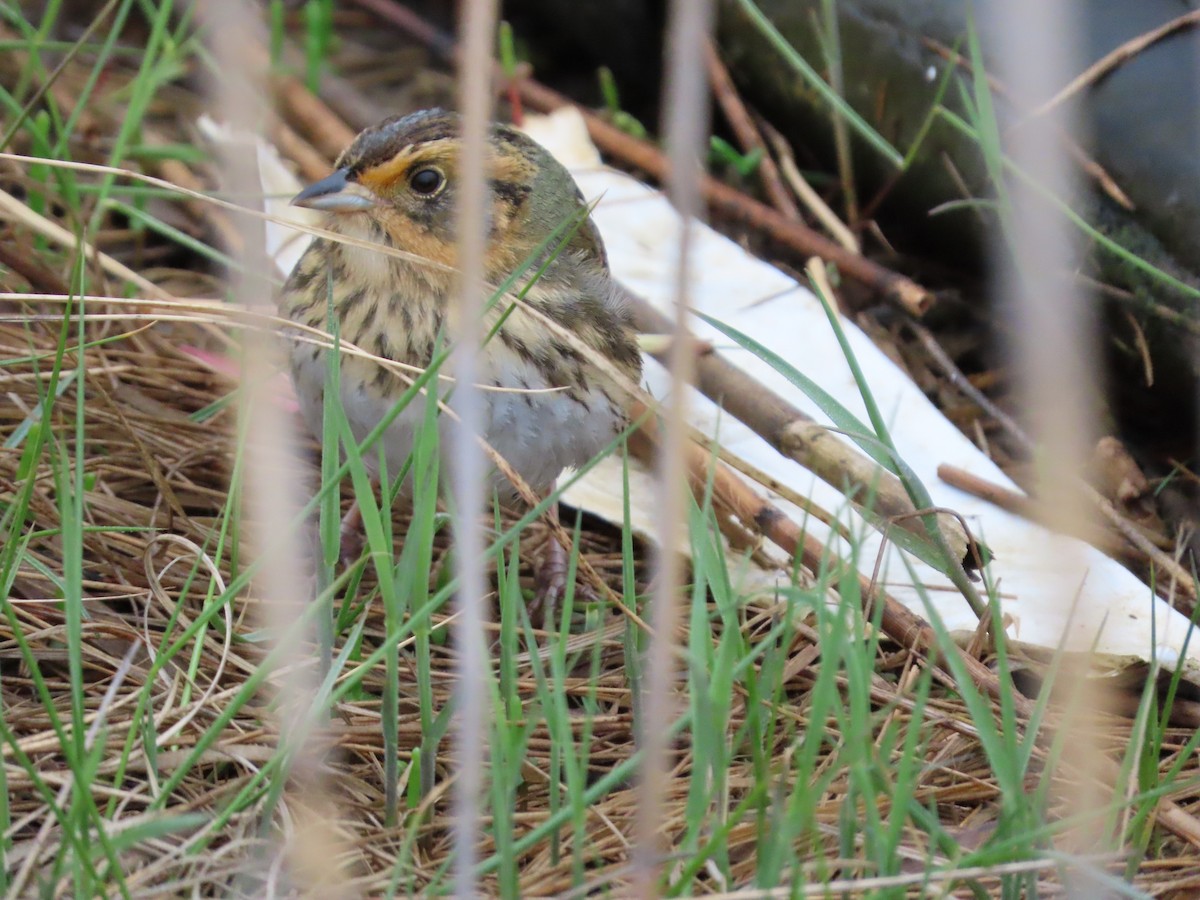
point(1181, 578)
point(747, 134)
point(313, 165)
point(963, 384)
point(1116, 57)
point(804, 191)
point(1005, 498)
point(352, 105)
point(1019, 504)
point(891, 286)
point(799, 438)
point(1142, 346)
point(311, 117)
point(28, 267)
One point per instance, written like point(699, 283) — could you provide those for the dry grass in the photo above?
point(154, 471)
point(828, 756)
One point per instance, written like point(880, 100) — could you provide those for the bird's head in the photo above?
point(399, 182)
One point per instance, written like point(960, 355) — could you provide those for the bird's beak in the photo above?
point(335, 194)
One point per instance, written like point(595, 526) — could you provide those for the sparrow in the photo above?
point(552, 406)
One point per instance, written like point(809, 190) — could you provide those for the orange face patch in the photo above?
point(407, 235)
point(383, 178)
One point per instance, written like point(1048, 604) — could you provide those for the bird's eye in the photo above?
point(426, 181)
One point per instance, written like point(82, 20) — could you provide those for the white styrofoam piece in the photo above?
point(1056, 590)
point(284, 246)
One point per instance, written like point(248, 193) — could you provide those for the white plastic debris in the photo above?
point(1056, 590)
point(284, 246)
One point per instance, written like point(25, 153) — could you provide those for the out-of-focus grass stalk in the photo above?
point(832, 41)
point(686, 130)
point(1053, 348)
point(477, 29)
point(274, 496)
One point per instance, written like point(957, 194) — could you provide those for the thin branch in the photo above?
point(747, 133)
point(1116, 57)
point(796, 436)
